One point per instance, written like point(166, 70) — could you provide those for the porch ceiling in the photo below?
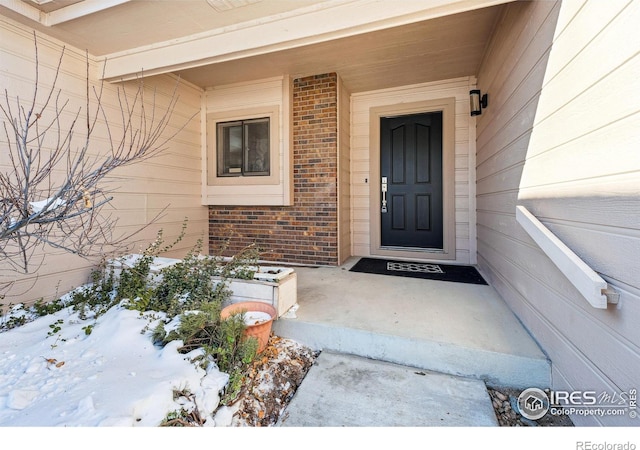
point(436, 49)
point(384, 45)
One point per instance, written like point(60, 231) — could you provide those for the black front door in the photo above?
point(411, 166)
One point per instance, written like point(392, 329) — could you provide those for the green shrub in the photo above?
point(188, 284)
point(223, 341)
point(97, 297)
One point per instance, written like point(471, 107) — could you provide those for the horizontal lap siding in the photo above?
point(560, 137)
point(169, 182)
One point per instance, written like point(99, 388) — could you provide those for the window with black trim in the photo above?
point(243, 148)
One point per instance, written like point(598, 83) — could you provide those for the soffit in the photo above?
point(103, 27)
point(436, 49)
point(446, 46)
point(47, 6)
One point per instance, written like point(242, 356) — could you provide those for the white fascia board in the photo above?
point(318, 23)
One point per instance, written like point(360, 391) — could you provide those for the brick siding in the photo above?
point(307, 232)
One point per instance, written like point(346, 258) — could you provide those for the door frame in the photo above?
point(447, 106)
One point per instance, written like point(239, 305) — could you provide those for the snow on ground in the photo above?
point(114, 376)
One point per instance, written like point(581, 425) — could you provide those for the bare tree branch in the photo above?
point(54, 189)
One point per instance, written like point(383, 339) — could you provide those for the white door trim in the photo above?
point(447, 106)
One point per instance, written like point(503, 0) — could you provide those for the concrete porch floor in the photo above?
point(452, 328)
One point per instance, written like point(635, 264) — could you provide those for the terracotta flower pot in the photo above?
point(260, 328)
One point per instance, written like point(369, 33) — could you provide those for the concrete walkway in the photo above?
point(401, 351)
point(349, 391)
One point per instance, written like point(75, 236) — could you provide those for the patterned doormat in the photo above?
point(442, 272)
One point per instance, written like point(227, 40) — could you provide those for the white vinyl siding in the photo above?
point(560, 137)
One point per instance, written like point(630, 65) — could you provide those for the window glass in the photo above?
point(243, 148)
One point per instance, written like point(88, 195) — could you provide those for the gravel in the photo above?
point(505, 405)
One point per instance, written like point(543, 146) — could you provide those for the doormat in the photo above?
point(442, 272)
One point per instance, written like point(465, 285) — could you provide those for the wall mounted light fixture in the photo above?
point(477, 102)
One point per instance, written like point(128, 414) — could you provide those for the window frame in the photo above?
point(272, 113)
point(222, 154)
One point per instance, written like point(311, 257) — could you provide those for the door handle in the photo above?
point(383, 187)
